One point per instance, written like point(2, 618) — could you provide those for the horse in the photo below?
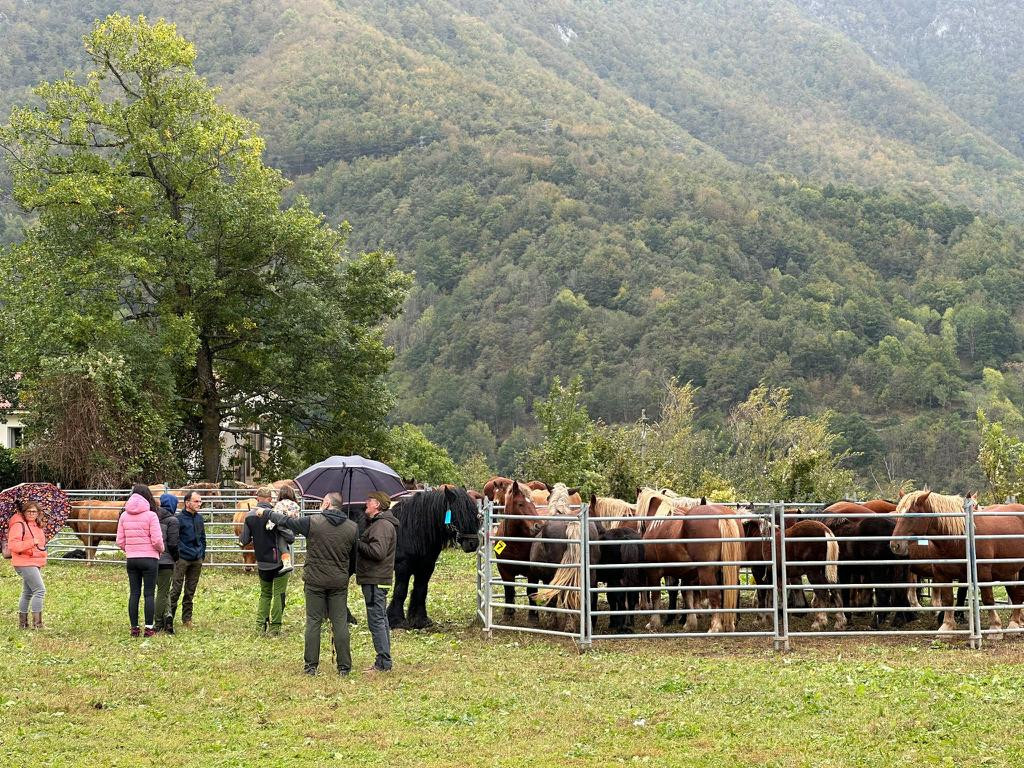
point(621, 547)
point(95, 521)
point(807, 541)
point(519, 504)
point(651, 503)
point(428, 521)
point(494, 489)
point(245, 508)
point(942, 515)
point(607, 506)
point(874, 533)
point(695, 526)
point(565, 585)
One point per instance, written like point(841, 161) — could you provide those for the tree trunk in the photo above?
point(210, 434)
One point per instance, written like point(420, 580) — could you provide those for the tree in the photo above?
point(411, 454)
point(566, 453)
point(1001, 456)
point(161, 238)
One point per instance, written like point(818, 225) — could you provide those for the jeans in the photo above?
point(32, 588)
point(273, 587)
point(141, 581)
point(377, 618)
point(163, 588)
point(327, 604)
point(186, 574)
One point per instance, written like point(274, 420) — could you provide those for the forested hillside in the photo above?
point(632, 191)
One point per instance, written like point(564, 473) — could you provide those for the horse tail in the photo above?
point(831, 553)
point(733, 553)
point(566, 576)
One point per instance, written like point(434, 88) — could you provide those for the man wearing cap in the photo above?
point(375, 567)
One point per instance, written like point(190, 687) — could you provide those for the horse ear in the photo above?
point(570, 491)
point(593, 500)
point(923, 497)
point(703, 501)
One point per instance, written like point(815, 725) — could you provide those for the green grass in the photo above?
point(83, 693)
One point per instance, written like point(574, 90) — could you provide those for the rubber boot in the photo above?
point(22, 621)
point(37, 620)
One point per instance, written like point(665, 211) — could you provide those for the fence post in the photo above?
point(487, 573)
point(973, 590)
point(775, 566)
point(585, 617)
point(779, 508)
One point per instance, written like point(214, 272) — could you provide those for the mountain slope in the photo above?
point(629, 192)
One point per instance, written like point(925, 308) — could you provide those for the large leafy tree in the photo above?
point(161, 237)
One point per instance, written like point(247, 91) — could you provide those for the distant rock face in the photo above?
point(566, 33)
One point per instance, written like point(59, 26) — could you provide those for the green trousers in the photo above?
point(163, 590)
point(271, 605)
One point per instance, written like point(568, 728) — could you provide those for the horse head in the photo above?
point(910, 520)
point(462, 519)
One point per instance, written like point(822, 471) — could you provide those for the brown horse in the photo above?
point(245, 507)
point(518, 503)
point(695, 526)
point(651, 504)
point(607, 506)
point(95, 521)
point(494, 489)
point(943, 516)
point(810, 542)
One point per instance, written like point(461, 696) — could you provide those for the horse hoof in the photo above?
point(945, 629)
point(995, 635)
point(1013, 626)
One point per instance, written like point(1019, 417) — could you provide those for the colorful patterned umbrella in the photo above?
point(52, 501)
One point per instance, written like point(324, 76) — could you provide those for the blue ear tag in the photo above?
point(448, 517)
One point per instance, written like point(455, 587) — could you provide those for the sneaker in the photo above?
point(187, 624)
point(148, 632)
point(136, 632)
point(311, 671)
point(343, 672)
point(373, 669)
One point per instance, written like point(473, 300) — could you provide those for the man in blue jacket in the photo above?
point(191, 551)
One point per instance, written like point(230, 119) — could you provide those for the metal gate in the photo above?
point(863, 579)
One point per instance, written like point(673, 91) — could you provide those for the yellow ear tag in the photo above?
point(499, 547)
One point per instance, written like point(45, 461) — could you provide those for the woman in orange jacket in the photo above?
point(27, 543)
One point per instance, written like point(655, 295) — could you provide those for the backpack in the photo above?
point(6, 549)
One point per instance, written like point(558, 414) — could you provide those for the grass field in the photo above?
point(84, 693)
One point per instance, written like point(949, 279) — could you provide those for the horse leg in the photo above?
point(817, 603)
point(510, 599)
point(912, 598)
point(837, 602)
point(692, 621)
point(961, 599)
point(994, 622)
point(531, 598)
point(654, 603)
point(1016, 595)
point(673, 600)
point(944, 597)
point(396, 611)
point(708, 577)
point(418, 618)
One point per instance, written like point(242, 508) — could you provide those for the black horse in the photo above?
point(428, 521)
point(627, 553)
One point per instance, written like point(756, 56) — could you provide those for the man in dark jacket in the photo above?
point(330, 539)
point(267, 549)
point(375, 568)
point(169, 527)
point(191, 551)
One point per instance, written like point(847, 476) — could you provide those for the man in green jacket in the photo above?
point(330, 538)
point(375, 567)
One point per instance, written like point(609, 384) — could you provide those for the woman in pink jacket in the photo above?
point(138, 534)
point(27, 543)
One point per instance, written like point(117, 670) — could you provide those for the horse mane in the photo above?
point(939, 503)
point(422, 530)
point(609, 506)
point(558, 500)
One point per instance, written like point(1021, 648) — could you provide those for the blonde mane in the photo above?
point(558, 500)
point(939, 503)
point(609, 506)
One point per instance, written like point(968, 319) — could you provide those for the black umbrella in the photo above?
point(353, 477)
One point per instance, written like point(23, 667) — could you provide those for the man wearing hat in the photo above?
point(375, 567)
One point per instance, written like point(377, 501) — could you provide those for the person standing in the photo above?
point(375, 568)
point(138, 534)
point(169, 527)
point(191, 551)
point(265, 535)
point(330, 541)
point(27, 544)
